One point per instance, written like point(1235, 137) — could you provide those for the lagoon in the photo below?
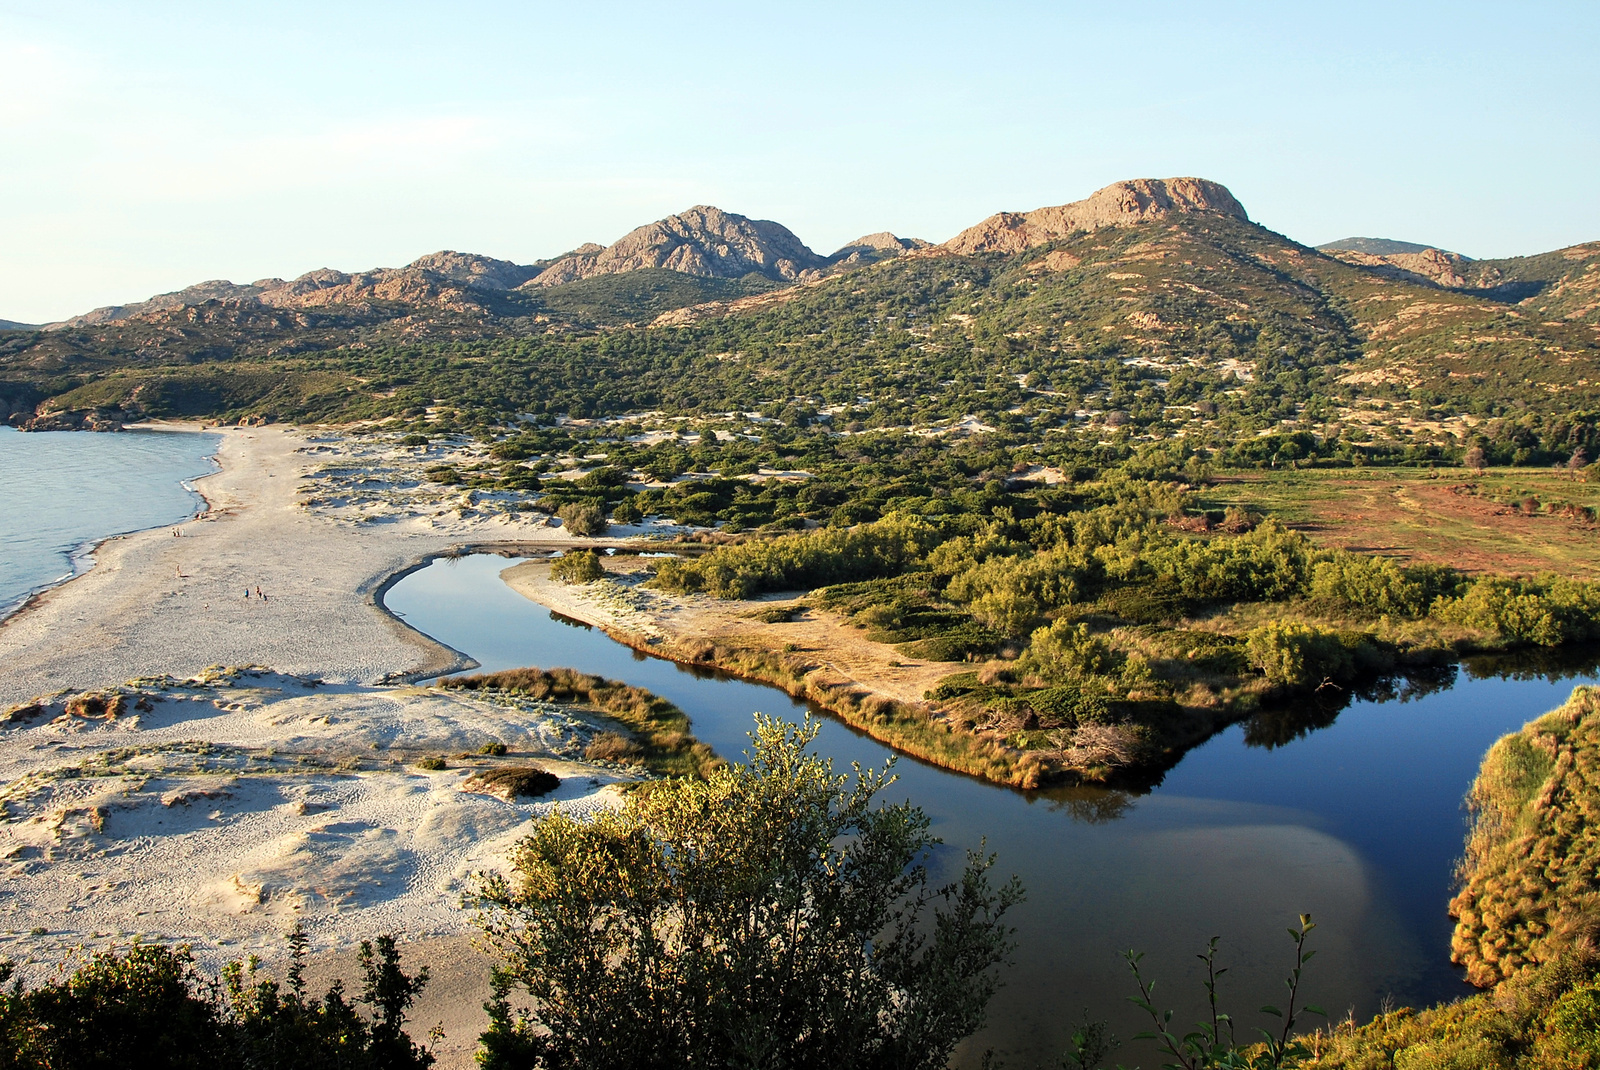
point(1353, 815)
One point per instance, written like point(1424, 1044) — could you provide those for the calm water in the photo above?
point(1358, 823)
point(63, 491)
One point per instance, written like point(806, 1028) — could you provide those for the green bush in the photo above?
point(582, 518)
point(577, 566)
point(802, 561)
point(1067, 651)
point(1377, 585)
point(1548, 611)
point(1297, 655)
point(1573, 1032)
point(150, 1007)
point(1270, 564)
point(774, 914)
point(1065, 705)
point(956, 646)
point(1010, 594)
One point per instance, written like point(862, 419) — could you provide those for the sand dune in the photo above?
point(219, 808)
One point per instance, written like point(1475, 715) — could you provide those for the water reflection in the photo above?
point(1282, 724)
point(1090, 805)
point(1348, 807)
point(1569, 663)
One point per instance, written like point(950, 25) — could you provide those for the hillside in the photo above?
point(1373, 246)
point(1154, 308)
point(703, 241)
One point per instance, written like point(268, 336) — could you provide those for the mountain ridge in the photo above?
point(737, 260)
point(1125, 203)
point(1375, 246)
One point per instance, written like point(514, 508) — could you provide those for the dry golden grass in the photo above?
point(1531, 876)
point(1439, 516)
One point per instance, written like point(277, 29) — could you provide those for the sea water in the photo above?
point(62, 492)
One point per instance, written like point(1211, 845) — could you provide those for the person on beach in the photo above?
point(247, 594)
point(259, 594)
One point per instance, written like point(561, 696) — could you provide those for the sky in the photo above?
point(145, 147)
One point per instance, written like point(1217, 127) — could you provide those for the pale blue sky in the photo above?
point(147, 146)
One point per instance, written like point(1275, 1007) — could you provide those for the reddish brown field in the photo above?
point(1450, 517)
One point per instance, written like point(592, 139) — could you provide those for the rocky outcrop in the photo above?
point(77, 420)
point(702, 241)
point(469, 269)
point(1433, 266)
point(1139, 200)
point(879, 246)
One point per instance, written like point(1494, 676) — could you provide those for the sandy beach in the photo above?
point(220, 808)
point(155, 603)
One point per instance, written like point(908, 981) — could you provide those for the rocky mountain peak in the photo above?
point(703, 240)
point(1402, 259)
point(1138, 200)
point(470, 269)
point(878, 246)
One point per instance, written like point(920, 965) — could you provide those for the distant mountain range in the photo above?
point(1146, 273)
point(1375, 246)
point(702, 242)
point(717, 258)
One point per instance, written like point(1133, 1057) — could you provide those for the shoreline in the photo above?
point(89, 548)
point(866, 685)
point(153, 604)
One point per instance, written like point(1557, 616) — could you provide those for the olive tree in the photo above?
point(771, 915)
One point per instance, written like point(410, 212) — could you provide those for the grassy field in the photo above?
point(1515, 520)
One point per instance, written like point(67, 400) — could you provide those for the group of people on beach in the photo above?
point(258, 594)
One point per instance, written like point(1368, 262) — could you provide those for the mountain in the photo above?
point(1564, 284)
point(1374, 246)
point(879, 246)
point(445, 280)
point(703, 241)
point(1120, 204)
point(13, 325)
point(1425, 264)
point(1147, 297)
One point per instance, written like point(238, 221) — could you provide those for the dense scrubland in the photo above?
point(1107, 479)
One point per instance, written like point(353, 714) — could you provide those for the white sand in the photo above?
point(158, 604)
point(229, 810)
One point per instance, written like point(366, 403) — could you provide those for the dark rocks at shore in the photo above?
point(80, 420)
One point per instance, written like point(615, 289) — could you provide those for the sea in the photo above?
point(63, 492)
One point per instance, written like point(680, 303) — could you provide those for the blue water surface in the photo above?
point(1358, 822)
point(63, 491)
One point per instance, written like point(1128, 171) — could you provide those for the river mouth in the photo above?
point(1353, 815)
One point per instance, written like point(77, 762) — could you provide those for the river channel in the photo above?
point(1358, 822)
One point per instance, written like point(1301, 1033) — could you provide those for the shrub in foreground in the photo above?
point(150, 1007)
point(769, 915)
